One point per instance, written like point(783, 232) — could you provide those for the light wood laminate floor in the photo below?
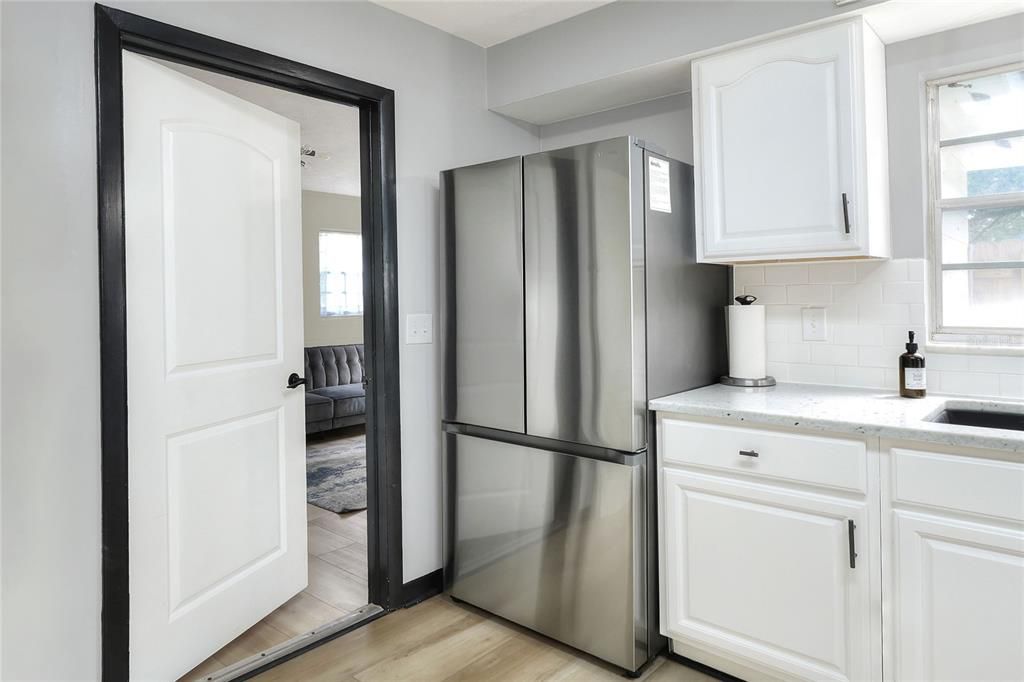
point(442, 640)
point(337, 586)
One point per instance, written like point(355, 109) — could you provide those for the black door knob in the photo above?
point(294, 380)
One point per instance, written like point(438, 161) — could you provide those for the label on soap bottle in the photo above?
point(914, 378)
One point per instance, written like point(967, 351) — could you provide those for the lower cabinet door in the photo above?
point(958, 599)
point(763, 575)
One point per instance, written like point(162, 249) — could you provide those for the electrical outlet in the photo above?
point(419, 328)
point(814, 324)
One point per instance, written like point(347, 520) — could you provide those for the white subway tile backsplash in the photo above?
point(832, 273)
point(857, 293)
point(870, 306)
point(868, 377)
point(1003, 364)
point(812, 374)
point(788, 352)
point(858, 334)
point(785, 274)
point(902, 292)
point(896, 335)
point(747, 275)
point(833, 354)
point(883, 313)
point(882, 271)
point(970, 383)
point(809, 294)
point(879, 356)
point(767, 294)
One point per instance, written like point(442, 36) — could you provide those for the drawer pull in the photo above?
point(850, 527)
point(749, 453)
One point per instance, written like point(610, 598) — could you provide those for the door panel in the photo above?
point(484, 351)
point(764, 572)
point(959, 600)
point(216, 442)
point(776, 142)
point(549, 540)
point(584, 236)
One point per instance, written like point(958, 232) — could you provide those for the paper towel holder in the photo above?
point(762, 382)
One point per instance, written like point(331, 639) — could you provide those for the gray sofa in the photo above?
point(334, 387)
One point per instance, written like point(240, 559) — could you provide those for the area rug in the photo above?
point(336, 472)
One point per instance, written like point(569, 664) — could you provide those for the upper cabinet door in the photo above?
point(482, 209)
point(781, 145)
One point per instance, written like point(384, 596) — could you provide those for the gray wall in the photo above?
point(621, 36)
point(50, 343)
point(668, 121)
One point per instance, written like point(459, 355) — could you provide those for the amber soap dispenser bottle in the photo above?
point(912, 378)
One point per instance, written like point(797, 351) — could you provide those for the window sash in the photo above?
point(979, 337)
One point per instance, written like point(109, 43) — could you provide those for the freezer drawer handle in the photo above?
point(749, 453)
point(850, 527)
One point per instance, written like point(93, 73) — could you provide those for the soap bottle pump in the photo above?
point(912, 377)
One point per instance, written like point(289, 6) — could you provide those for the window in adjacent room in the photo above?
point(341, 274)
point(976, 195)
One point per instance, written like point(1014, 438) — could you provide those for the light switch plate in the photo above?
point(419, 328)
point(814, 324)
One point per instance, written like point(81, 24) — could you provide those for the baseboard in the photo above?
point(424, 587)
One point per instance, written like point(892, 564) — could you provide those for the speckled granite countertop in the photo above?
point(868, 412)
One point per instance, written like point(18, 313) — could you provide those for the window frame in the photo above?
point(1000, 340)
point(320, 291)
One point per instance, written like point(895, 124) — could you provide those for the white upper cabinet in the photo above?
point(790, 148)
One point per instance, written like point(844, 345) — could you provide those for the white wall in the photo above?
point(327, 212)
point(50, 343)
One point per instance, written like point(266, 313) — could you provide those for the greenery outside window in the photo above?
point(976, 208)
point(341, 274)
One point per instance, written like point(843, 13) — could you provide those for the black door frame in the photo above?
point(117, 30)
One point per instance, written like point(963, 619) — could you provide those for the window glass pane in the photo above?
point(983, 298)
point(983, 235)
point(980, 168)
point(979, 106)
point(341, 274)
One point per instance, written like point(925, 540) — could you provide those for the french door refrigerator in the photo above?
point(571, 298)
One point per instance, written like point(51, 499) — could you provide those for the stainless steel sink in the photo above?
point(979, 414)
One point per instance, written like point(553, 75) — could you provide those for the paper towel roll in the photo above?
point(746, 341)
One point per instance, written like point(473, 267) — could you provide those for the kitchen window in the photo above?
point(976, 198)
point(341, 274)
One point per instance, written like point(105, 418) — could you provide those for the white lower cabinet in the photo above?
point(956, 568)
point(768, 575)
point(756, 571)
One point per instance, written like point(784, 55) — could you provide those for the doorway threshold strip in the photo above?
point(244, 668)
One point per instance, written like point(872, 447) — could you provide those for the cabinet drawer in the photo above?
point(829, 462)
point(959, 483)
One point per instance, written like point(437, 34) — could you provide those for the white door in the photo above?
point(774, 147)
point(764, 573)
point(959, 596)
point(216, 442)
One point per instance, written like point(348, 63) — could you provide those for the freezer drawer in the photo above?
point(583, 230)
point(482, 307)
point(551, 541)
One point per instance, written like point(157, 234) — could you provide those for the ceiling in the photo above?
point(330, 128)
point(489, 22)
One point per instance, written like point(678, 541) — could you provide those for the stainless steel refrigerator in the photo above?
point(571, 297)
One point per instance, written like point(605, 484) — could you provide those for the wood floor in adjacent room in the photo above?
point(441, 640)
point(337, 586)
